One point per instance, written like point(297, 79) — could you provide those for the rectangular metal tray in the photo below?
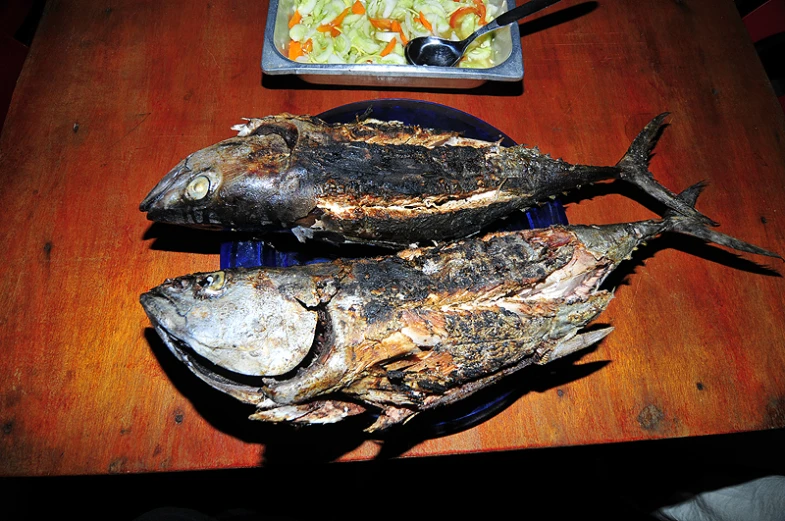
point(275, 62)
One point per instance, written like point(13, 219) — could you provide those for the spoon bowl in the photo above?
point(432, 51)
point(435, 52)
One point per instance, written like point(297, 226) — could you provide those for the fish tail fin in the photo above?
point(676, 221)
point(634, 168)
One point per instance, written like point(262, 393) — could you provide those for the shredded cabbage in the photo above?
point(376, 31)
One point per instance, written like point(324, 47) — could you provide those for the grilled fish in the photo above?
point(375, 182)
point(403, 333)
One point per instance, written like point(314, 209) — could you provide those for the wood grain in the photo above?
point(113, 94)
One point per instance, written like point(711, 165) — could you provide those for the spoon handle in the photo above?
point(523, 10)
point(509, 17)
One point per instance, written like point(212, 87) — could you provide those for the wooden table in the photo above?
point(113, 94)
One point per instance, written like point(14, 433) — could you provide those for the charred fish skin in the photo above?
point(405, 333)
point(375, 182)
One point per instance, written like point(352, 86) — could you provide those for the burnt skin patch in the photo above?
point(419, 225)
point(434, 387)
point(387, 283)
point(651, 418)
point(377, 312)
point(700, 386)
point(47, 250)
point(8, 427)
point(76, 128)
point(399, 170)
point(179, 417)
point(395, 377)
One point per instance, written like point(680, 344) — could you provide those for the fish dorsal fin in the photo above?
point(247, 128)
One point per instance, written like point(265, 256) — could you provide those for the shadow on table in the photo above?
point(552, 19)
point(169, 237)
point(623, 481)
point(230, 416)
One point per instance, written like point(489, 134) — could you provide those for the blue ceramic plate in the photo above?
point(250, 254)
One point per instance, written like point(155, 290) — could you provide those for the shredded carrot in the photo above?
point(478, 8)
point(295, 19)
point(396, 26)
point(295, 50)
point(458, 14)
point(381, 23)
point(481, 11)
point(358, 7)
point(424, 21)
point(332, 27)
point(340, 18)
point(390, 46)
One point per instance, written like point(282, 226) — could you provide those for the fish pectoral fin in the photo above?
point(573, 345)
point(391, 416)
point(322, 411)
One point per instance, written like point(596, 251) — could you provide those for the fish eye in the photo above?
point(198, 188)
point(213, 283)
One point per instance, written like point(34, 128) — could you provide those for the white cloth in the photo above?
point(758, 500)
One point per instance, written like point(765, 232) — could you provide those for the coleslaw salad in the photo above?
point(376, 31)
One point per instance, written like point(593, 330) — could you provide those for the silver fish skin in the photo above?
point(404, 333)
point(375, 182)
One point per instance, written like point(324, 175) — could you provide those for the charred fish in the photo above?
point(375, 182)
point(403, 333)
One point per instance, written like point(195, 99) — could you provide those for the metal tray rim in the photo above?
point(274, 63)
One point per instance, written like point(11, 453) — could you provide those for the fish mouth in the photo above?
point(152, 304)
point(155, 199)
point(155, 305)
point(147, 203)
point(164, 204)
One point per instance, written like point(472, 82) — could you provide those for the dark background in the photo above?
point(614, 481)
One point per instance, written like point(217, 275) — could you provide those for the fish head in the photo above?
point(237, 319)
point(240, 183)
